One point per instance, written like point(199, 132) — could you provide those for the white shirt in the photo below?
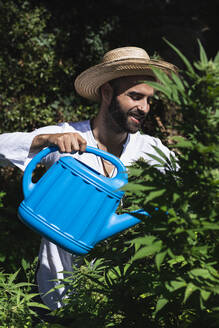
point(14, 148)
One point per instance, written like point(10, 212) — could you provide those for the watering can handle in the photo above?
point(28, 185)
point(121, 169)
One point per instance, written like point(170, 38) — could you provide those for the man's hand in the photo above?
point(66, 142)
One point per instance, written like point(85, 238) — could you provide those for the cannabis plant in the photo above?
point(164, 272)
point(16, 302)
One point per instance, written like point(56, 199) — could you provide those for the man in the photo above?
point(117, 83)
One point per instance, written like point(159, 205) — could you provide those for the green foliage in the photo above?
point(36, 83)
point(16, 302)
point(28, 68)
point(164, 272)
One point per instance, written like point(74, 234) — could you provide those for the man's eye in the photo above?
point(135, 96)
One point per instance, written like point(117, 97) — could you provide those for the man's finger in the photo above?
point(74, 144)
point(82, 144)
point(68, 143)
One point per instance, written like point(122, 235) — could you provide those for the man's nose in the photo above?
point(144, 106)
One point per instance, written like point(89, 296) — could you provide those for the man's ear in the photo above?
point(106, 93)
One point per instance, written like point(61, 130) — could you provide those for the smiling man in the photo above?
point(119, 84)
point(123, 110)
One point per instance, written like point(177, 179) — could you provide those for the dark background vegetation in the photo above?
point(45, 44)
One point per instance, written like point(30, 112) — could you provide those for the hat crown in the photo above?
point(125, 53)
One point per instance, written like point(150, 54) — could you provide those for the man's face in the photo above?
point(130, 104)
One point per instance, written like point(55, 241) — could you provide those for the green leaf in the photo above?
point(12, 277)
point(199, 272)
point(178, 82)
point(182, 142)
point(18, 298)
point(156, 158)
point(161, 153)
point(136, 187)
point(159, 258)
point(116, 271)
point(191, 288)
point(160, 88)
point(40, 305)
point(175, 285)
point(215, 289)
point(184, 59)
point(25, 264)
point(205, 294)
point(24, 284)
point(160, 304)
point(155, 194)
point(108, 280)
point(29, 296)
point(210, 226)
point(95, 280)
point(128, 269)
point(216, 58)
point(176, 260)
point(175, 197)
point(141, 241)
point(203, 56)
point(162, 77)
point(173, 161)
point(147, 251)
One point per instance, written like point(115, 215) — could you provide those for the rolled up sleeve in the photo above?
point(15, 147)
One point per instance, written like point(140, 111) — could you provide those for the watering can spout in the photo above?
point(117, 223)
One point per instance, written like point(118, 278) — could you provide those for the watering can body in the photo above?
point(73, 205)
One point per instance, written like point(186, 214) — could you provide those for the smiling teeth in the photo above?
point(136, 117)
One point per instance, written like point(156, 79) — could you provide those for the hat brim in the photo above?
point(87, 84)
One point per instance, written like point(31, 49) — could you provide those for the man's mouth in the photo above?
point(137, 119)
point(134, 119)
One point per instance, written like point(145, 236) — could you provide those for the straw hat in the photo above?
point(117, 63)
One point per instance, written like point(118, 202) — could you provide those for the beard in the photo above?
point(121, 121)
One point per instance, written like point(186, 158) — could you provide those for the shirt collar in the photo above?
point(95, 142)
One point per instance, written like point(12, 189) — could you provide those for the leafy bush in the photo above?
point(164, 272)
point(38, 61)
point(30, 69)
point(16, 302)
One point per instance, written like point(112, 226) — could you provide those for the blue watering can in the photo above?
point(73, 205)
